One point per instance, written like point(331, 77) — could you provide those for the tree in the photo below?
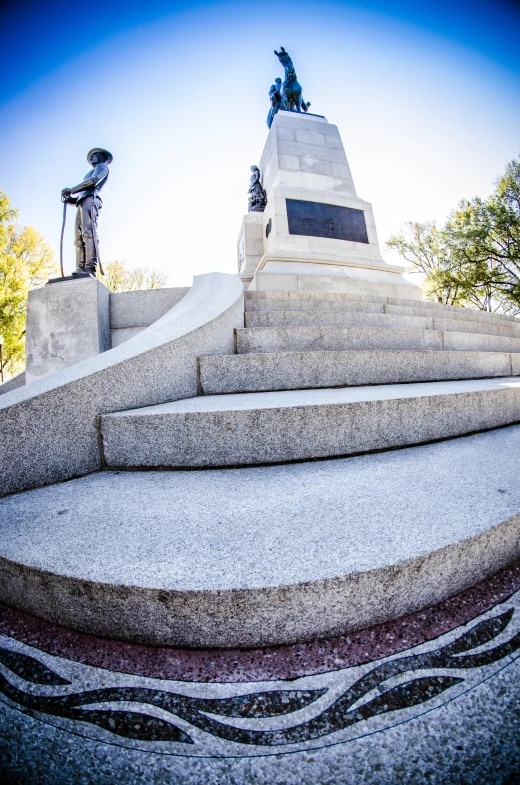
point(486, 233)
point(26, 262)
point(426, 250)
point(120, 278)
point(474, 259)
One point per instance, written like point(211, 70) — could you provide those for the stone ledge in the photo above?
point(311, 339)
point(272, 427)
point(213, 560)
point(240, 373)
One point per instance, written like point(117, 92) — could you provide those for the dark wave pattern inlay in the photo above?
point(30, 669)
point(339, 715)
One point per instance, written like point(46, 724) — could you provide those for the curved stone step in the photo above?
point(271, 427)
point(460, 314)
point(312, 339)
point(235, 373)
point(265, 555)
point(327, 301)
point(342, 318)
point(48, 428)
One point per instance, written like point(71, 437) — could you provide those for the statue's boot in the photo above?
point(90, 254)
point(80, 254)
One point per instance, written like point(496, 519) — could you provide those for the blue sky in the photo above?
point(425, 95)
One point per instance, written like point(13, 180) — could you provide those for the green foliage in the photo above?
point(120, 278)
point(26, 261)
point(426, 250)
point(474, 259)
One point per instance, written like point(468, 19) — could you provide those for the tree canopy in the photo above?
point(26, 261)
point(474, 259)
point(120, 278)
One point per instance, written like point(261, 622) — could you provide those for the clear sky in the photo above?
point(425, 95)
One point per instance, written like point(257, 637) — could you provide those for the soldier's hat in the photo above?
point(107, 155)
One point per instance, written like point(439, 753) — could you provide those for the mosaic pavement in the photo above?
point(431, 697)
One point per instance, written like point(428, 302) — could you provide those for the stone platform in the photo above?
point(265, 555)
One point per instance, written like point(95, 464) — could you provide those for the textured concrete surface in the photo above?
point(48, 428)
point(311, 339)
point(472, 740)
point(131, 312)
point(326, 272)
point(123, 334)
point(344, 318)
point(295, 141)
point(271, 301)
point(263, 555)
point(270, 427)
point(13, 383)
point(66, 322)
point(459, 313)
point(440, 307)
point(250, 246)
point(441, 711)
point(142, 308)
point(234, 373)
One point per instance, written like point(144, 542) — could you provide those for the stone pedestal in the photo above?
point(250, 246)
point(316, 233)
point(66, 322)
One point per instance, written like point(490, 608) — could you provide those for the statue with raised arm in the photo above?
point(275, 94)
point(88, 203)
point(257, 195)
point(292, 90)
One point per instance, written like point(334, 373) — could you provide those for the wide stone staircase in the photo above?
point(318, 375)
point(274, 546)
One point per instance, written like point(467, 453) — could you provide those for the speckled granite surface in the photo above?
point(268, 555)
point(431, 698)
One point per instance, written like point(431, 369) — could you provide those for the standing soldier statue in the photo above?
point(89, 204)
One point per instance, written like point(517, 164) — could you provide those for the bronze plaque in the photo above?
point(315, 219)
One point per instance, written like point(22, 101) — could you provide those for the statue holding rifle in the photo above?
point(88, 203)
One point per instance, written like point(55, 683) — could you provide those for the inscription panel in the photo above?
point(315, 219)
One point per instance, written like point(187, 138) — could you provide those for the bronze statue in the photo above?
point(257, 198)
point(275, 95)
point(88, 204)
point(292, 90)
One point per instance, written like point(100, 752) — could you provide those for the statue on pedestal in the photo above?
point(257, 198)
point(292, 90)
point(275, 95)
point(88, 204)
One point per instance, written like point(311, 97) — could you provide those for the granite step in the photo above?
point(342, 318)
point(272, 427)
point(263, 555)
point(234, 373)
point(312, 339)
point(376, 307)
point(280, 301)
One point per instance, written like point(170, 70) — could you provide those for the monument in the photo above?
point(333, 595)
point(315, 233)
point(70, 322)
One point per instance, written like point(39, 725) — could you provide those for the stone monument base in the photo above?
point(315, 233)
point(328, 274)
point(66, 323)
